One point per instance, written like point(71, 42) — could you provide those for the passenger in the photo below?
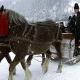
point(74, 27)
point(62, 27)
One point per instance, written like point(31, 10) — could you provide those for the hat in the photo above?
point(76, 6)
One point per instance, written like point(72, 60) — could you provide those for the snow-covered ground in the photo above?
point(69, 72)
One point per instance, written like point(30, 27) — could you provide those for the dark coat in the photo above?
point(74, 25)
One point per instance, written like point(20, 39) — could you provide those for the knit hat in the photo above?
point(76, 6)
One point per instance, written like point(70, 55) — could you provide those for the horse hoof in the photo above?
point(59, 71)
point(28, 64)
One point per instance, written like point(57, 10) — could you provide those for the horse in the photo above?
point(26, 39)
point(4, 46)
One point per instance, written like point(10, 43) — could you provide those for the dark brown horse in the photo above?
point(5, 46)
point(36, 39)
point(25, 39)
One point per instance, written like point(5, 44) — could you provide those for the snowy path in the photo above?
point(70, 72)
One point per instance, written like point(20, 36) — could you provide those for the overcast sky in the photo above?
point(41, 9)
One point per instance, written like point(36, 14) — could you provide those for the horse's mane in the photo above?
point(18, 24)
point(16, 17)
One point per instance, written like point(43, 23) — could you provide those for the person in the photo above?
point(74, 27)
point(4, 25)
point(60, 30)
point(62, 27)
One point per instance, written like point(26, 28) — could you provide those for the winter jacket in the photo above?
point(74, 25)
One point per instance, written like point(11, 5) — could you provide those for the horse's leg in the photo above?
point(43, 58)
point(46, 61)
point(27, 71)
point(8, 58)
point(12, 67)
point(1, 56)
point(58, 48)
point(29, 59)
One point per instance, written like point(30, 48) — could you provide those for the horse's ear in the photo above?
point(2, 8)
